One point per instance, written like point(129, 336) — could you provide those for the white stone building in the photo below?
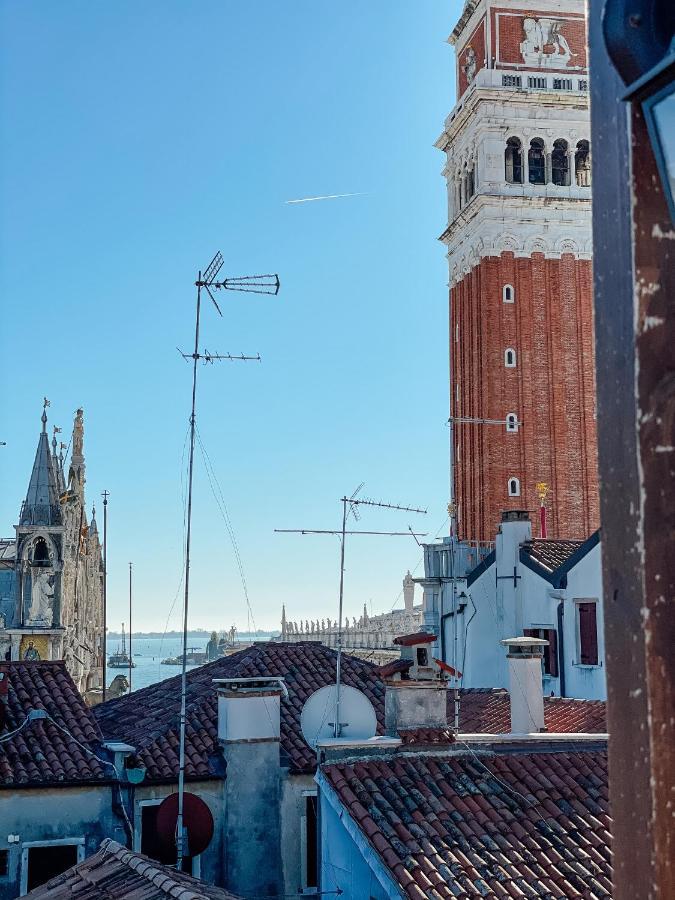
point(372, 636)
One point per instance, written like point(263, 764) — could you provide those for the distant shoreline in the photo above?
point(192, 635)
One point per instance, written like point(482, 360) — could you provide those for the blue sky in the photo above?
point(139, 138)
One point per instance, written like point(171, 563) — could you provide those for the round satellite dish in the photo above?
point(197, 820)
point(357, 715)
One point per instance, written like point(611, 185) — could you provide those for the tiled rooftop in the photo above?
point(42, 753)
point(551, 554)
point(148, 718)
point(488, 710)
point(114, 873)
point(467, 825)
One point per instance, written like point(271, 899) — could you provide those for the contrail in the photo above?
point(326, 197)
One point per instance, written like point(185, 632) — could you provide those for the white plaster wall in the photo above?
point(342, 864)
point(485, 664)
point(585, 582)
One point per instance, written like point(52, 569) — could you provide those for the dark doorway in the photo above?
point(150, 843)
point(46, 862)
point(311, 824)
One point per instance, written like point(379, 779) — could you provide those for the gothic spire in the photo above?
point(41, 506)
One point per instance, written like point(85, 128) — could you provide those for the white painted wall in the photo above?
point(504, 610)
point(348, 862)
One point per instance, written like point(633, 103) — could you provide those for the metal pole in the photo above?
point(337, 729)
point(180, 836)
point(131, 661)
point(105, 496)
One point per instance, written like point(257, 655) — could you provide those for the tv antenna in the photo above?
point(207, 280)
point(350, 506)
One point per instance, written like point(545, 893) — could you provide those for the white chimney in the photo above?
point(525, 686)
point(248, 732)
point(514, 530)
point(409, 592)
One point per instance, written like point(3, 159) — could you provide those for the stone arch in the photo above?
point(507, 243)
point(566, 245)
point(42, 544)
point(537, 245)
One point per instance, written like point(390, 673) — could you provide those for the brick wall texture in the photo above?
point(551, 390)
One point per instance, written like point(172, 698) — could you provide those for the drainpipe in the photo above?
point(561, 647)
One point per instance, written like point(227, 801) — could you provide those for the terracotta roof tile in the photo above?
point(488, 711)
point(494, 837)
point(148, 718)
point(47, 751)
point(115, 873)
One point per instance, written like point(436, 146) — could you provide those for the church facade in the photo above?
point(51, 571)
point(522, 369)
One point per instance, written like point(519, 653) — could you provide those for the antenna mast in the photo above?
point(131, 661)
point(350, 506)
point(252, 284)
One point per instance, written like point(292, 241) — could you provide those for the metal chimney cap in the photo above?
point(524, 646)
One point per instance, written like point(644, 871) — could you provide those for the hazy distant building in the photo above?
point(51, 571)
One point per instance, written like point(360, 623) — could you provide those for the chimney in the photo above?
point(408, 592)
point(249, 720)
point(415, 698)
point(514, 530)
point(525, 687)
point(414, 704)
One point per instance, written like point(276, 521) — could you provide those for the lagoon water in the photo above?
point(149, 668)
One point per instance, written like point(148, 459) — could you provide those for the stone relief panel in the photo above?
point(540, 42)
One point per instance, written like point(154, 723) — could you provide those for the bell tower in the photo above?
point(522, 371)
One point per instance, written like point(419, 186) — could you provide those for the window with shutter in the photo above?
point(550, 660)
point(588, 634)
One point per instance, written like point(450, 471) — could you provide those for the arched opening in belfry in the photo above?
point(40, 554)
point(536, 162)
point(513, 161)
point(582, 164)
point(560, 163)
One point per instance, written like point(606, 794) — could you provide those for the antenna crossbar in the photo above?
point(339, 531)
point(213, 268)
point(379, 503)
point(251, 284)
point(210, 357)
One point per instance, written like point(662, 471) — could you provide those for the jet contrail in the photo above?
point(326, 197)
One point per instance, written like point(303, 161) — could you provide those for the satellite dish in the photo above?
point(357, 715)
point(197, 821)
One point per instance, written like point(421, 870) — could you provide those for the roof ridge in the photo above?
point(144, 867)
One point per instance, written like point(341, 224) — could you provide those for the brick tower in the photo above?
point(522, 377)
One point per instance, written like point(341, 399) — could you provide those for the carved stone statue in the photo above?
point(470, 65)
point(78, 434)
point(544, 46)
point(42, 592)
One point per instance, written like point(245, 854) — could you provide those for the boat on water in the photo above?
point(120, 659)
point(195, 657)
